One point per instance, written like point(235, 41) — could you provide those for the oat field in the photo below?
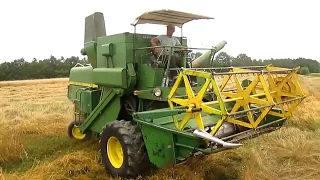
point(34, 144)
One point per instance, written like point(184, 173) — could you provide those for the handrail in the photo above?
point(78, 65)
point(151, 47)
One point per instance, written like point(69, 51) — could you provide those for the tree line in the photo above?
point(223, 59)
point(53, 67)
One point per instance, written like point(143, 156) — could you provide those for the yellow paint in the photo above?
point(115, 152)
point(193, 101)
point(83, 84)
point(217, 126)
point(76, 133)
point(241, 123)
point(266, 89)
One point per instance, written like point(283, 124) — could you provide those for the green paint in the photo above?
point(183, 152)
point(152, 77)
point(164, 152)
point(94, 28)
point(160, 146)
point(119, 70)
point(81, 74)
point(89, 100)
point(91, 52)
point(177, 145)
point(85, 98)
point(106, 111)
point(158, 113)
point(132, 77)
point(111, 77)
point(107, 49)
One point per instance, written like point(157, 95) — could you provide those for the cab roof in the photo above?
point(167, 17)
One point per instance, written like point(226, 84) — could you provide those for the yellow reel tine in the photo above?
point(261, 95)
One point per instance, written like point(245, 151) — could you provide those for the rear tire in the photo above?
point(122, 149)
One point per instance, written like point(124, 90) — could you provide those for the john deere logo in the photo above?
point(147, 37)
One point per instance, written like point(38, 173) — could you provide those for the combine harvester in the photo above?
point(143, 117)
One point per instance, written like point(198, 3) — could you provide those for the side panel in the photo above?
point(115, 57)
point(74, 92)
point(115, 52)
point(106, 111)
point(112, 77)
point(149, 77)
point(108, 114)
point(81, 75)
point(159, 145)
point(184, 146)
point(85, 98)
point(166, 147)
point(89, 100)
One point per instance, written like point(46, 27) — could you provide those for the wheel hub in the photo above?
point(114, 152)
point(194, 102)
point(77, 133)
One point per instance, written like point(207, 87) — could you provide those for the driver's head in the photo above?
point(170, 30)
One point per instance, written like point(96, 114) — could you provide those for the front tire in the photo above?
point(122, 149)
point(74, 131)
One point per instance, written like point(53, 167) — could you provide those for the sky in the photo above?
point(262, 29)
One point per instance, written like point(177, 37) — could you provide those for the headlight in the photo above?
point(157, 92)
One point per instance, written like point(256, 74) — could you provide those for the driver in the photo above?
point(167, 40)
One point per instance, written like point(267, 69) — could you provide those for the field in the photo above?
point(34, 145)
point(314, 74)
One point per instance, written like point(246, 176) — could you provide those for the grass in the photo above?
point(314, 74)
point(32, 82)
point(34, 144)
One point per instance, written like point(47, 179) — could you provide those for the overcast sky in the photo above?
point(261, 29)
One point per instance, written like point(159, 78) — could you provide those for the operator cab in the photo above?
point(162, 67)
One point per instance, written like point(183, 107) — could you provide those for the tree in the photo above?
point(53, 67)
point(223, 59)
point(304, 71)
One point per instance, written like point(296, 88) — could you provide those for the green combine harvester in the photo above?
point(143, 116)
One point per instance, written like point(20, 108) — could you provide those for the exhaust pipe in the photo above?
point(209, 137)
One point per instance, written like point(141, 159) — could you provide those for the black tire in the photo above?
point(135, 158)
point(72, 128)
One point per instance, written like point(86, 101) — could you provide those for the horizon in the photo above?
point(261, 30)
